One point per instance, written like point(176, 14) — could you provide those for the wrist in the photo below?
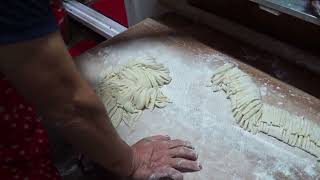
point(126, 167)
point(132, 163)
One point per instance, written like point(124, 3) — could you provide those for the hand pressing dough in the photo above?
point(255, 116)
point(129, 90)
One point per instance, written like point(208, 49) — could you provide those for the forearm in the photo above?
point(49, 79)
point(84, 123)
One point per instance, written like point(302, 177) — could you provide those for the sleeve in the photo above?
point(22, 20)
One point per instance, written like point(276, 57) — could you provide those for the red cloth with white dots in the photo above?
point(24, 147)
point(58, 11)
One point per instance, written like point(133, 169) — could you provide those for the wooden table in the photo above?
point(277, 93)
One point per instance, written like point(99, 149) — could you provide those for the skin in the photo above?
point(159, 157)
point(316, 6)
point(43, 71)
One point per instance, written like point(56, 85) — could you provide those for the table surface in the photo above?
point(92, 63)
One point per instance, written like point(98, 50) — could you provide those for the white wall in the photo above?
point(137, 10)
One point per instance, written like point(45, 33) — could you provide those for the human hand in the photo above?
point(160, 157)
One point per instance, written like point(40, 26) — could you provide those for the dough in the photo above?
point(130, 89)
point(293, 130)
point(255, 116)
point(244, 95)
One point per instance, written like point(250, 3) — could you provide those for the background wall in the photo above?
point(137, 10)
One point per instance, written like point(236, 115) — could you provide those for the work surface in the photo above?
point(201, 116)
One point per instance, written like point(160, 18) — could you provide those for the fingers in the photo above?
point(158, 138)
point(179, 143)
point(183, 152)
point(185, 165)
point(166, 173)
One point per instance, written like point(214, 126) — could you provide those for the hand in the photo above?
point(159, 157)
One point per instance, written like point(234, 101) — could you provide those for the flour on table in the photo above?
point(255, 116)
point(204, 118)
point(130, 89)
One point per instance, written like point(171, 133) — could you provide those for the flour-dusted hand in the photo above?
point(160, 157)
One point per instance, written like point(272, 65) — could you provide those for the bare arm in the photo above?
point(43, 71)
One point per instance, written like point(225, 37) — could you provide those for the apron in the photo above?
point(24, 146)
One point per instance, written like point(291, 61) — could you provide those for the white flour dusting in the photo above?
point(280, 103)
point(203, 117)
point(263, 91)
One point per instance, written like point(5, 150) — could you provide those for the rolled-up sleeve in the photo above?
point(22, 20)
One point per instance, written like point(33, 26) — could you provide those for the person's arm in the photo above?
point(43, 71)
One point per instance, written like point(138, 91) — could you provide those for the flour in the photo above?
point(310, 170)
point(280, 103)
point(282, 96)
point(204, 118)
point(263, 91)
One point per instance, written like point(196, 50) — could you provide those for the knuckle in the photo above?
point(176, 141)
point(187, 151)
point(193, 153)
point(188, 144)
point(165, 144)
point(182, 142)
point(160, 137)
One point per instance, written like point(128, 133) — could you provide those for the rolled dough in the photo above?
point(255, 116)
point(131, 88)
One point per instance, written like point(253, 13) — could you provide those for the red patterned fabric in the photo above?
point(58, 11)
point(24, 146)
